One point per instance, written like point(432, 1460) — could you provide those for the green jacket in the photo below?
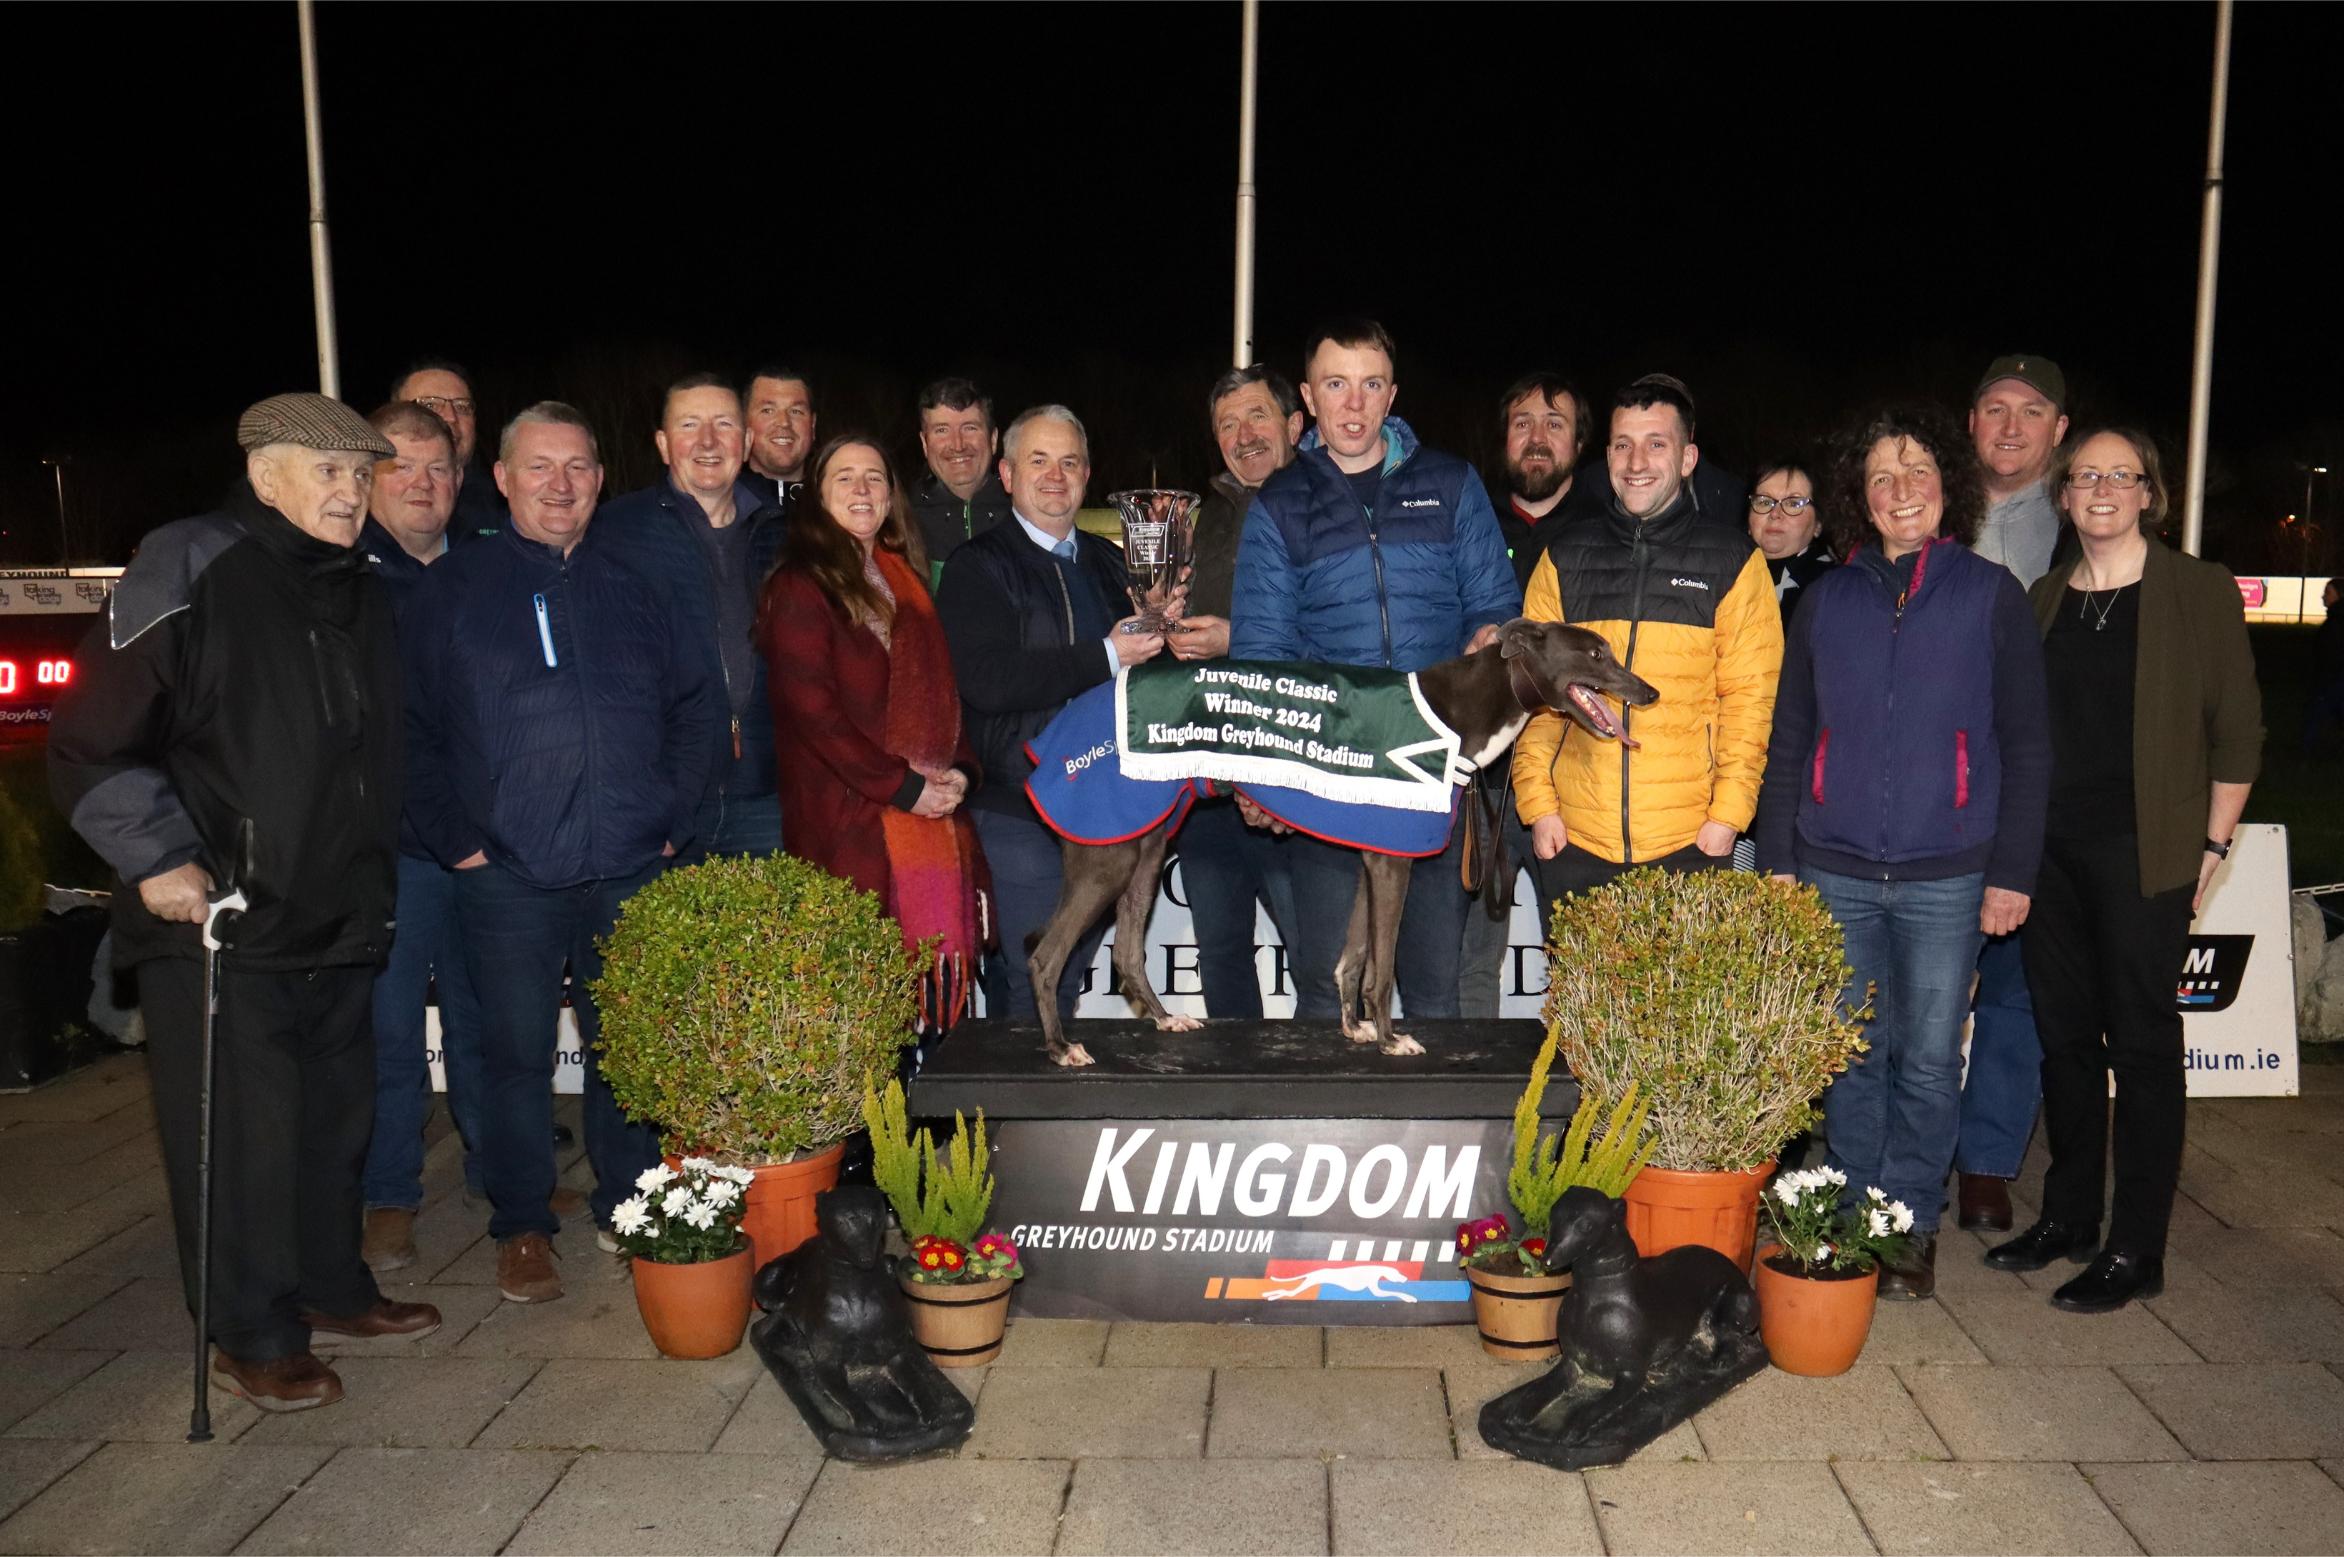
point(2197, 715)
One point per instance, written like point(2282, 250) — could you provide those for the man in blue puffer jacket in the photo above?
point(561, 717)
point(1370, 549)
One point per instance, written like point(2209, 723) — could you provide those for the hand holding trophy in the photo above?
point(1159, 552)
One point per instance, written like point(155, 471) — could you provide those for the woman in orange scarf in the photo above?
point(866, 715)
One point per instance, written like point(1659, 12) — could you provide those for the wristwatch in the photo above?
point(2217, 849)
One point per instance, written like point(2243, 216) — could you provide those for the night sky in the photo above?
point(1796, 209)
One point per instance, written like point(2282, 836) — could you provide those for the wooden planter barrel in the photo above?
point(1516, 1314)
point(959, 1323)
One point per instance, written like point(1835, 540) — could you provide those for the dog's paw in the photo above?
point(1401, 1043)
point(1174, 1022)
point(1358, 1031)
point(1075, 1055)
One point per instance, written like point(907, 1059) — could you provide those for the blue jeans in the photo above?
point(2006, 1065)
point(1432, 927)
point(1225, 866)
point(734, 824)
point(1024, 858)
point(423, 952)
point(517, 938)
point(1892, 1114)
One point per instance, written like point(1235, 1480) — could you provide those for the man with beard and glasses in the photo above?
point(780, 406)
point(1370, 549)
point(1226, 866)
point(961, 497)
point(1688, 605)
point(1543, 418)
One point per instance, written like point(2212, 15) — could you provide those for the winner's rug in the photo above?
point(1351, 755)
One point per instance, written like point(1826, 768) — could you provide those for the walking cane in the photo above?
point(199, 1421)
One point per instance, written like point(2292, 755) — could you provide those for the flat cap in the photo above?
point(311, 421)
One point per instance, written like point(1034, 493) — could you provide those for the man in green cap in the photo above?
point(237, 725)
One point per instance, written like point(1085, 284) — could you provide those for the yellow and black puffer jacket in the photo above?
point(1687, 604)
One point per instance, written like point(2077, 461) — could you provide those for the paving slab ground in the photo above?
point(2208, 1420)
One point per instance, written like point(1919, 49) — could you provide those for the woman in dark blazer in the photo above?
point(2156, 738)
point(866, 715)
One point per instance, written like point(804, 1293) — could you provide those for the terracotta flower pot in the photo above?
point(959, 1323)
point(1814, 1325)
point(1516, 1314)
point(780, 1202)
point(1668, 1209)
point(694, 1310)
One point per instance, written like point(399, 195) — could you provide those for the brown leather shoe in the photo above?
point(386, 1318)
point(567, 1203)
point(1985, 1203)
point(293, 1383)
point(1915, 1275)
point(390, 1239)
point(524, 1269)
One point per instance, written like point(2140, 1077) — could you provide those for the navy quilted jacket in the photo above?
point(569, 753)
point(1320, 578)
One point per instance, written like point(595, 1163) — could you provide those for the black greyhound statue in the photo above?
point(1645, 1343)
point(837, 1336)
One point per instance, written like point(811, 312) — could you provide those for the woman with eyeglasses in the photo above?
point(2156, 737)
point(1787, 523)
point(1905, 781)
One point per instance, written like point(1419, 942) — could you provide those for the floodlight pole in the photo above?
point(321, 270)
point(2201, 368)
point(1241, 351)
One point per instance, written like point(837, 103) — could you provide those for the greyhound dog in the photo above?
point(1486, 697)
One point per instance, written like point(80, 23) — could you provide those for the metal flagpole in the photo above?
point(321, 268)
point(1242, 352)
point(2201, 368)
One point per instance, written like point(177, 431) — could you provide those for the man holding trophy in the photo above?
point(1036, 612)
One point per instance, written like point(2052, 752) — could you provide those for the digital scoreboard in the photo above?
point(44, 616)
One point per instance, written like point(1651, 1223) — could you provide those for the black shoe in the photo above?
point(2113, 1280)
point(1915, 1275)
point(2044, 1242)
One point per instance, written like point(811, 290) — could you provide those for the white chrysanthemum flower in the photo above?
point(722, 1192)
point(631, 1216)
point(1876, 1195)
point(702, 1216)
point(1787, 1193)
point(698, 1164)
point(1902, 1215)
point(1833, 1177)
point(1877, 1220)
point(677, 1201)
point(740, 1176)
point(652, 1178)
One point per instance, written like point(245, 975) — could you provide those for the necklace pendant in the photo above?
point(2101, 625)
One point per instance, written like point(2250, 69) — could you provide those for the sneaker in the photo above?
point(294, 1383)
point(606, 1240)
point(389, 1243)
point(524, 1269)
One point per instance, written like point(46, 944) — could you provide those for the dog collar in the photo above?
point(1525, 690)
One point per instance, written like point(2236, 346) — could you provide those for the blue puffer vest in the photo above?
point(1320, 579)
point(1905, 763)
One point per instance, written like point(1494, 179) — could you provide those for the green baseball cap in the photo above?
point(2040, 374)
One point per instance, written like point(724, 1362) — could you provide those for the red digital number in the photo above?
point(53, 673)
point(7, 677)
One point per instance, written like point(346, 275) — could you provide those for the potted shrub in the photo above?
point(1515, 1297)
point(1716, 994)
point(957, 1275)
point(743, 1002)
point(1818, 1278)
point(681, 1234)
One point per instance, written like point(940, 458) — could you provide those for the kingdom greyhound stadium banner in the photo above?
point(1266, 1221)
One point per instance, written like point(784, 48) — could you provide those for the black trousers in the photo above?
point(293, 1107)
point(1576, 870)
point(2102, 963)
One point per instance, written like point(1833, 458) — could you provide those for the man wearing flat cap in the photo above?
point(237, 724)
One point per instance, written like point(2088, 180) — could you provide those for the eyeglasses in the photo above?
point(2121, 480)
point(441, 405)
point(1794, 506)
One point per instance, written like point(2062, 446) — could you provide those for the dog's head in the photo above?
point(1572, 671)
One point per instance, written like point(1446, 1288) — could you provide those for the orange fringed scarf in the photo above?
point(937, 883)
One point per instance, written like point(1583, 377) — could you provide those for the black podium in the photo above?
point(1248, 1172)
